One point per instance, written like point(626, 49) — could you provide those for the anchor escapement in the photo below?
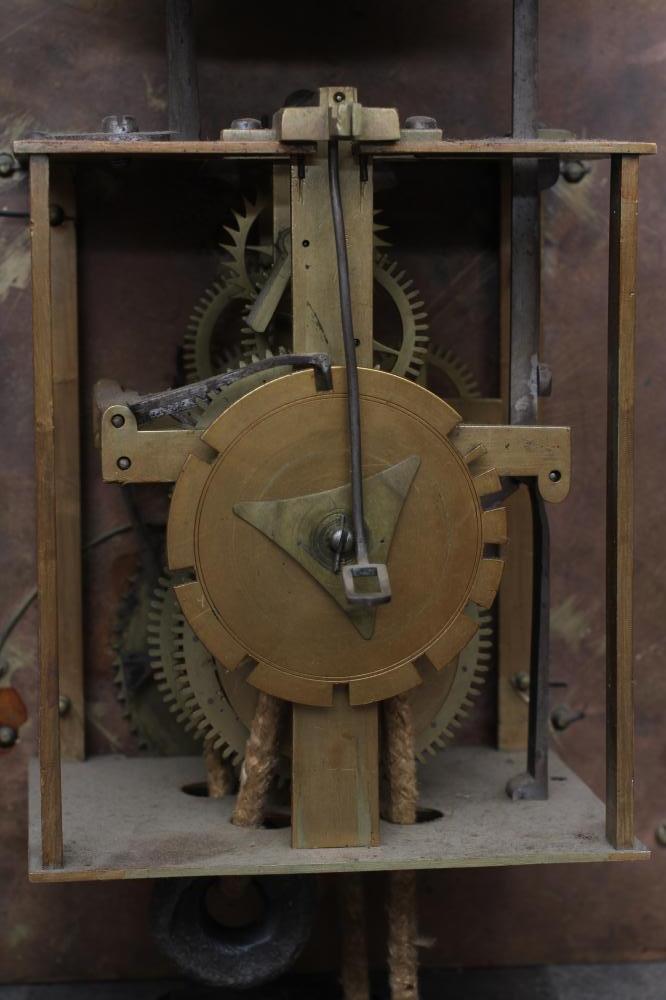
point(262, 528)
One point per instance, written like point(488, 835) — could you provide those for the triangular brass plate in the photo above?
point(301, 525)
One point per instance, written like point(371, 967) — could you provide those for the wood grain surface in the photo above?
point(63, 67)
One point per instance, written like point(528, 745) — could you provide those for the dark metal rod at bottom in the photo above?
point(533, 784)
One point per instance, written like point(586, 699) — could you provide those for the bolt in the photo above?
point(563, 716)
point(246, 124)
point(8, 165)
point(118, 420)
point(119, 124)
point(554, 475)
point(124, 463)
point(8, 737)
point(660, 834)
point(573, 171)
point(521, 681)
point(420, 123)
point(339, 97)
point(64, 704)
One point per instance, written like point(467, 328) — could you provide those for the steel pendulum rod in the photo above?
point(373, 574)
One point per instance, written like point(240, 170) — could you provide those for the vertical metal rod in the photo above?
point(525, 92)
point(525, 292)
point(351, 367)
point(525, 220)
point(47, 539)
point(523, 378)
point(620, 502)
point(537, 750)
point(182, 70)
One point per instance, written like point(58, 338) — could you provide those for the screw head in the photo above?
point(342, 541)
point(339, 97)
point(64, 704)
point(246, 124)
point(119, 124)
point(8, 737)
point(555, 475)
point(124, 463)
point(521, 681)
point(420, 123)
point(118, 420)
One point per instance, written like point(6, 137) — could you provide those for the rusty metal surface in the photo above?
point(66, 65)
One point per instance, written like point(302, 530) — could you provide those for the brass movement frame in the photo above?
point(56, 384)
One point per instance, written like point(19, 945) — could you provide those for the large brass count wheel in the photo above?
point(264, 527)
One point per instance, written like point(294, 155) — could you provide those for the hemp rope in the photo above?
point(261, 760)
point(354, 964)
point(402, 929)
point(219, 775)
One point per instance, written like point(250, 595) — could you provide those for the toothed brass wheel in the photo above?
point(458, 374)
point(153, 711)
point(219, 705)
point(246, 526)
point(217, 324)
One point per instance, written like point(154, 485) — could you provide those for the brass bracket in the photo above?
point(130, 455)
point(153, 456)
point(339, 115)
point(543, 452)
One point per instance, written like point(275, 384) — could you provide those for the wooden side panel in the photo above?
point(620, 503)
point(335, 778)
point(45, 474)
point(64, 340)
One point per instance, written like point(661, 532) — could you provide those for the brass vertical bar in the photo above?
point(65, 347)
point(45, 475)
point(620, 502)
point(335, 775)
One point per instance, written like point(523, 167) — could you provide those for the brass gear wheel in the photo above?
point(307, 664)
point(444, 701)
point(160, 636)
point(459, 374)
point(192, 682)
point(155, 728)
point(246, 277)
point(408, 357)
point(237, 287)
point(219, 705)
